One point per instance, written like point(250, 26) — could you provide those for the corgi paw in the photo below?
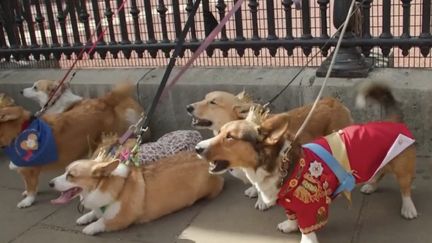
point(408, 209)
point(261, 205)
point(369, 188)
point(288, 226)
point(94, 228)
point(26, 202)
point(86, 218)
point(251, 192)
point(12, 166)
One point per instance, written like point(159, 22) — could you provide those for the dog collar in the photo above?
point(27, 123)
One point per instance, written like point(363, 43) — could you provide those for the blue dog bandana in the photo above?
point(34, 146)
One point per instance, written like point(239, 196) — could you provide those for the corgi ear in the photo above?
point(273, 129)
point(244, 97)
point(10, 113)
point(274, 136)
point(104, 168)
point(52, 86)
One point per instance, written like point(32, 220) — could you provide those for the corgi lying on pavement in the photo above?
point(119, 195)
point(219, 108)
point(54, 140)
point(305, 179)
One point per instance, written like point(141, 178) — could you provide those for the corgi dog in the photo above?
point(119, 195)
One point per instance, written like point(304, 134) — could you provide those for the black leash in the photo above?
point(266, 105)
point(171, 64)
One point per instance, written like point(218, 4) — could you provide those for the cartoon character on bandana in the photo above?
point(308, 191)
point(29, 145)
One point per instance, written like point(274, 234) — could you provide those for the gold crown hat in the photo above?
point(6, 100)
point(244, 97)
point(257, 114)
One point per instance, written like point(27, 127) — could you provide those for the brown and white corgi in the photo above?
point(119, 195)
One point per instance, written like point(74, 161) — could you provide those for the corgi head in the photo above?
point(40, 91)
point(218, 108)
point(244, 144)
point(98, 183)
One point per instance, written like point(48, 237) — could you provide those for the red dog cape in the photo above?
point(365, 148)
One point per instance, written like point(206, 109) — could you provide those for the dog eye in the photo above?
point(69, 176)
point(229, 137)
point(213, 102)
point(34, 87)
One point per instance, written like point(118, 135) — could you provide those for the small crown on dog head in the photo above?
point(103, 156)
point(257, 114)
point(5, 100)
point(244, 97)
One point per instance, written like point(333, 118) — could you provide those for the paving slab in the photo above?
point(233, 219)
point(230, 218)
point(14, 221)
point(381, 221)
point(44, 233)
point(165, 229)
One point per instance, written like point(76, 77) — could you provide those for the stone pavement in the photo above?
point(230, 218)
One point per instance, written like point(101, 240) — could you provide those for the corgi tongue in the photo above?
point(67, 196)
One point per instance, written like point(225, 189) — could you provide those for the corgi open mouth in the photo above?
point(67, 196)
point(218, 166)
point(197, 122)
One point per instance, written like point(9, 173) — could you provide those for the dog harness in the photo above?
point(34, 146)
point(329, 167)
point(168, 145)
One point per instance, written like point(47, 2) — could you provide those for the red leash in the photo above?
point(53, 94)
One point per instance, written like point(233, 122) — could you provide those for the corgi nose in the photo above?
point(51, 184)
point(190, 108)
point(199, 149)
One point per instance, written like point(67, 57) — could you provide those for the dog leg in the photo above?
point(408, 209)
point(95, 227)
point(87, 218)
point(31, 177)
point(404, 168)
point(309, 238)
point(288, 226)
point(372, 185)
point(251, 192)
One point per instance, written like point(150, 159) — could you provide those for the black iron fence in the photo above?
point(263, 33)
